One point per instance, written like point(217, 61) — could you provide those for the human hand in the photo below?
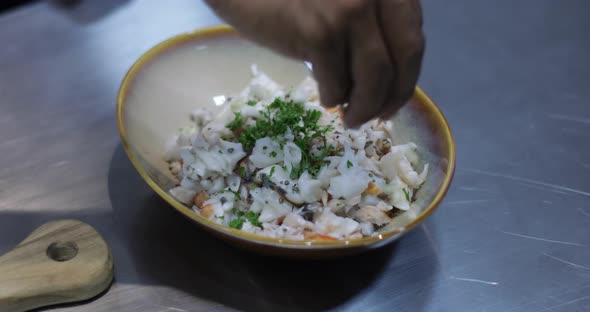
point(366, 53)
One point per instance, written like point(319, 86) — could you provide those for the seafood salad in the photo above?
point(274, 162)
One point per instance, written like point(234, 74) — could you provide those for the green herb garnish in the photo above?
point(241, 217)
point(236, 223)
point(237, 123)
point(253, 218)
point(272, 171)
point(348, 164)
point(407, 194)
point(242, 172)
point(295, 172)
point(275, 120)
point(251, 103)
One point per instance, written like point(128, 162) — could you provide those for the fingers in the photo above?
point(325, 30)
point(330, 68)
point(371, 68)
point(307, 30)
point(364, 52)
point(274, 24)
point(401, 24)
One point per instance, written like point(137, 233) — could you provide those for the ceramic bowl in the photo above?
point(191, 70)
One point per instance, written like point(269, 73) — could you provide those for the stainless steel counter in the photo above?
point(513, 234)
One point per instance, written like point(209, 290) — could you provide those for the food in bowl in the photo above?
point(274, 162)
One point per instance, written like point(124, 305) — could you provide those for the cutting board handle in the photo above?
point(61, 261)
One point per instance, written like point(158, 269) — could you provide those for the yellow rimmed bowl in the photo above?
point(192, 70)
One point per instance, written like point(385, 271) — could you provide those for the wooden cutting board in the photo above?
point(61, 261)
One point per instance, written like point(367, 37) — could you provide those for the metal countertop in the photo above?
point(513, 233)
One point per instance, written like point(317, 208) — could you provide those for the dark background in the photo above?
point(10, 4)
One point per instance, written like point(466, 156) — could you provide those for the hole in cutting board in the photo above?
point(59, 251)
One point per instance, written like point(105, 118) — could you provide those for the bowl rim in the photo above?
point(219, 30)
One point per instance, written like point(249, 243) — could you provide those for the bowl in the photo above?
point(191, 70)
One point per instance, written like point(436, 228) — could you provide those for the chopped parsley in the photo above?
point(278, 117)
point(251, 103)
point(296, 172)
point(253, 218)
point(407, 194)
point(242, 216)
point(242, 172)
point(272, 171)
point(237, 123)
point(236, 223)
point(348, 164)
point(265, 179)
